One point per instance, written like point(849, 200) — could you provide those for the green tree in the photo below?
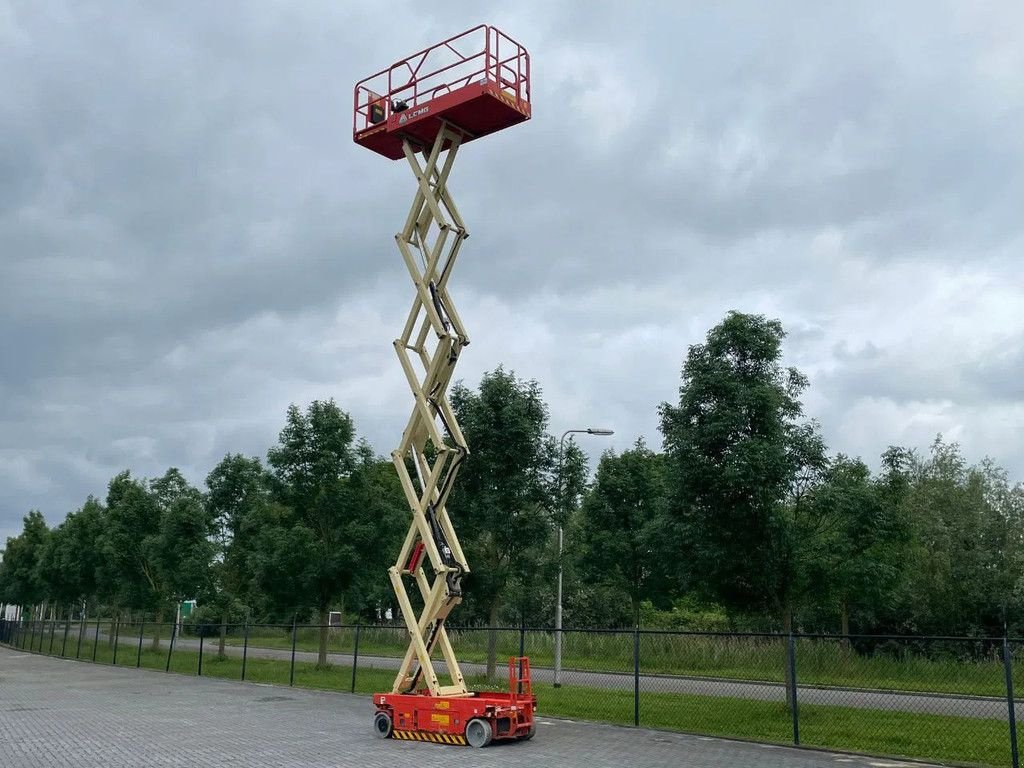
point(959, 578)
point(237, 498)
point(183, 548)
point(742, 462)
point(506, 494)
point(157, 542)
point(869, 535)
point(71, 557)
point(21, 580)
point(133, 521)
point(332, 518)
point(622, 526)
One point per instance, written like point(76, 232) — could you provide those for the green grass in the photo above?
point(819, 662)
point(930, 737)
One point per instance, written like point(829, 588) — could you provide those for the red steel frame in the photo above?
point(478, 82)
point(443, 719)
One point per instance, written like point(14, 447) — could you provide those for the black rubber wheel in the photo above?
point(479, 732)
point(530, 733)
point(382, 725)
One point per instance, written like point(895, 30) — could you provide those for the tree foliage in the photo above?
point(741, 459)
point(509, 490)
point(622, 527)
point(740, 522)
point(335, 513)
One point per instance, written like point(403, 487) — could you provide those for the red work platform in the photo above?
point(477, 82)
point(476, 719)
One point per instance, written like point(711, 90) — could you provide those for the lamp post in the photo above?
point(558, 606)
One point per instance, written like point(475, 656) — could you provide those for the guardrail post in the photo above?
point(291, 672)
point(636, 676)
point(1011, 708)
point(138, 656)
point(245, 648)
point(792, 688)
point(170, 647)
point(355, 656)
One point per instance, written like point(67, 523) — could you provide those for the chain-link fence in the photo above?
point(935, 698)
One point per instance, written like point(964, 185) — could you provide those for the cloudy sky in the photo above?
point(190, 241)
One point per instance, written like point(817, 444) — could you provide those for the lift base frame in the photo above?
point(444, 719)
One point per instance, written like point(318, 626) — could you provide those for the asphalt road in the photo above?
point(56, 712)
point(938, 704)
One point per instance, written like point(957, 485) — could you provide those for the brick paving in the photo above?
point(62, 713)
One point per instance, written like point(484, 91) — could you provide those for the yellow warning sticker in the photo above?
point(441, 719)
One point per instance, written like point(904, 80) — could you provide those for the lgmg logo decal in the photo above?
point(407, 116)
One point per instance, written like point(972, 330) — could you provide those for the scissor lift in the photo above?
point(424, 108)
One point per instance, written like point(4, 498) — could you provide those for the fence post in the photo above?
point(1012, 710)
point(202, 634)
point(792, 688)
point(291, 672)
point(81, 631)
point(636, 676)
point(138, 655)
point(53, 629)
point(245, 647)
point(117, 640)
point(67, 628)
point(170, 647)
point(96, 641)
point(355, 657)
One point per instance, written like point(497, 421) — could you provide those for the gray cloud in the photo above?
point(189, 240)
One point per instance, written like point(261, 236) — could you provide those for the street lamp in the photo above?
point(558, 607)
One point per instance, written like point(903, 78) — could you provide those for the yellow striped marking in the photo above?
point(436, 738)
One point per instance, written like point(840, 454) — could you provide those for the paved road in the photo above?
point(974, 707)
point(57, 712)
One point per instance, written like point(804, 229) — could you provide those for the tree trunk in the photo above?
point(223, 635)
point(155, 645)
point(321, 656)
point(492, 642)
point(113, 628)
